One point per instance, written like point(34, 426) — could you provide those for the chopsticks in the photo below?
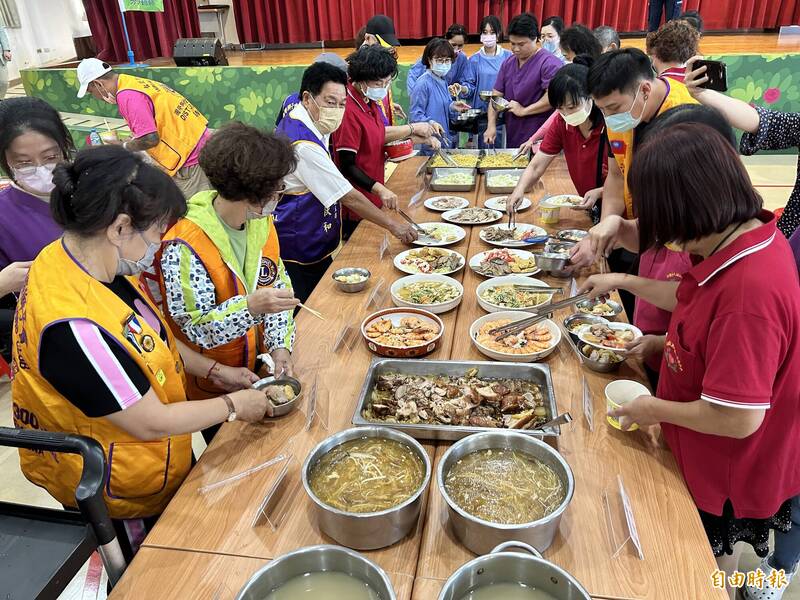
point(312, 311)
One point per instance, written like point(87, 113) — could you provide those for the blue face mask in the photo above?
point(625, 121)
point(550, 46)
point(441, 69)
point(376, 94)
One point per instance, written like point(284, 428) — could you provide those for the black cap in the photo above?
point(383, 26)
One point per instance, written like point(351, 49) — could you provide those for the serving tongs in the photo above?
point(418, 228)
point(540, 314)
point(445, 157)
point(561, 419)
point(520, 154)
point(538, 288)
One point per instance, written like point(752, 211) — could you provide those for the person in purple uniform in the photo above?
point(293, 99)
point(32, 141)
point(523, 81)
point(308, 218)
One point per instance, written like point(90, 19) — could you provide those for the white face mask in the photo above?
point(579, 116)
point(105, 95)
point(38, 180)
point(128, 267)
point(489, 40)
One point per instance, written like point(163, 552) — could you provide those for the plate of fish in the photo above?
point(429, 260)
point(497, 263)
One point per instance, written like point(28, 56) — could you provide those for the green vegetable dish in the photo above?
point(428, 292)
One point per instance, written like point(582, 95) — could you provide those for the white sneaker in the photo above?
point(767, 592)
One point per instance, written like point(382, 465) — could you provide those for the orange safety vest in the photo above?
point(622, 143)
point(180, 125)
point(142, 475)
point(203, 234)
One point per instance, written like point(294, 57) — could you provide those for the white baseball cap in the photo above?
point(88, 70)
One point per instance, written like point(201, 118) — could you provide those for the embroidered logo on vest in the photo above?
point(267, 273)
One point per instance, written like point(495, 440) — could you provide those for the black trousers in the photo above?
point(622, 261)
point(673, 9)
point(306, 277)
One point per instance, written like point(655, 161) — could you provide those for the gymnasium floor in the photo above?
point(773, 176)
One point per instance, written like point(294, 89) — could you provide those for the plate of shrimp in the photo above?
point(534, 343)
point(402, 332)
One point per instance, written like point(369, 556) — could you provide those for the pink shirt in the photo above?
point(139, 113)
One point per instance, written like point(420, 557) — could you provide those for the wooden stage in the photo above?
point(758, 43)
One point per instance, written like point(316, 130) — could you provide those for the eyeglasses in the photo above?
point(442, 61)
point(30, 168)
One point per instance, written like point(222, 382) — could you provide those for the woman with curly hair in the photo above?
point(226, 292)
point(671, 46)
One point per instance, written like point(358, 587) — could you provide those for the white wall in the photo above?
point(46, 33)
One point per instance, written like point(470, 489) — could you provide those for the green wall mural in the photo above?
point(254, 94)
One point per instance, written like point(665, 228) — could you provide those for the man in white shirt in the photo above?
point(308, 218)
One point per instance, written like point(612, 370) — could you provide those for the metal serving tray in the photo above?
point(471, 152)
point(438, 173)
point(537, 373)
point(501, 190)
point(510, 151)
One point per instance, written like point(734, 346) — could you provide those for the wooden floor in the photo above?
point(761, 43)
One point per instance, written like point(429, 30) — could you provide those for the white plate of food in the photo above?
point(445, 203)
point(500, 294)
point(429, 260)
point(534, 343)
point(402, 332)
point(435, 293)
point(472, 216)
point(609, 336)
point(516, 237)
point(440, 234)
point(500, 262)
point(561, 200)
point(499, 203)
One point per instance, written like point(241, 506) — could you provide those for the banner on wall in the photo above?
point(141, 5)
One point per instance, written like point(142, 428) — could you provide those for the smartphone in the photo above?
point(717, 73)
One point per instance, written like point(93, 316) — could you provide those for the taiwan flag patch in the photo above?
point(618, 146)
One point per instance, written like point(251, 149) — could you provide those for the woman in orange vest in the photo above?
point(226, 292)
point(92, 355)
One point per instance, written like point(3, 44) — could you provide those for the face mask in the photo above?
point(625, 121)
point(129, 267)
point(376, 94)
point(329, 118)
point(441, 69)
point(550, 46)
point(106, 96)
point(38, 180)
point(578, 116)
point(266, 211)
point(489, 40)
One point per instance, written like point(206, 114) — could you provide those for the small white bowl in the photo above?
point(514, 316)
point(507, 280)
point(441, 307)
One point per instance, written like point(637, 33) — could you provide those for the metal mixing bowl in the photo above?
point(481, 536)
point(367, 531)
point(278, 410)
point(351, 287)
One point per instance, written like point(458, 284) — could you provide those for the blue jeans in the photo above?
point(787, 545)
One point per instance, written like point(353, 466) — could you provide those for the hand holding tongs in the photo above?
point(445, 157)
point(520, 154)
point(418, 228)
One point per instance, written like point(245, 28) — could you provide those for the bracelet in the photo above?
point(411, 130)
point(211, 369)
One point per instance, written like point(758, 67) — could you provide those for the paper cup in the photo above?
point(550, 216)
point(620, 392)
point(108, 136)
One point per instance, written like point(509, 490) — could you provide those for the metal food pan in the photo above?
point(476, 153)
point(510, 151)
point(501, 190)
point(438, 173)
point(535, 372)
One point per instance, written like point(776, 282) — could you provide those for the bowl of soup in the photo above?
point(324, 572)
point(367, 485)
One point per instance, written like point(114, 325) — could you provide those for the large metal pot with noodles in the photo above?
point(512, 567)
point(367, 484)
point(501, 486)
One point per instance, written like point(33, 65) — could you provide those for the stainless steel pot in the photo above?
point(481, 536)
point(368, 531)
point(504, 566)
point(313, 559)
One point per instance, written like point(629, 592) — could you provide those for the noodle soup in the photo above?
point(504, 486)
point(507, 591)
point(367, 475)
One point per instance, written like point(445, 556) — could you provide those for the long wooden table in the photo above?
point(677, 560)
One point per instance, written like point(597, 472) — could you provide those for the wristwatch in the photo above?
point(231, 408)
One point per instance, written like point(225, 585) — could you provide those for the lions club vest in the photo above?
point(180, 125)
point(142, 475)
point(622, 143)
point(308, 231)
point(204, 235)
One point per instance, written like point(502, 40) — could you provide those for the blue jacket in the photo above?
point(430, 101)
point(486, 68)
point(461, 72)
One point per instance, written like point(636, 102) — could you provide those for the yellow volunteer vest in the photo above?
point(180, 125)
point(622, 143)
point(228, 282)
point(143, 476)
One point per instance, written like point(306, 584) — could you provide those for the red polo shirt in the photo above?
point(582, 154)
point(363, 131)
point(734, 340)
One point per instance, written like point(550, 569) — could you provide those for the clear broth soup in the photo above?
point(324, 585)
point(507, 591)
